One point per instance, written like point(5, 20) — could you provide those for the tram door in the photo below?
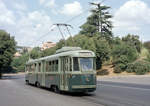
point(43, 72)
point(64, 81)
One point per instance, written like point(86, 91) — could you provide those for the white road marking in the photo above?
point(124, 87)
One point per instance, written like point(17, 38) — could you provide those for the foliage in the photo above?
point(148, 57)
point(35, 53)
point(117, 68)
point(139, 67)
point(95, 44)
point(147, 45)
point(85, 42)
point(121, 64)
point(144, 53)
point(103, 72)
point(122, 55)
point(60, 44)
point(125, 50)
point(7, 50)
point(98, 23)
point(48, 52)
point(18, 63)
point(133, 40)
point(102, 51)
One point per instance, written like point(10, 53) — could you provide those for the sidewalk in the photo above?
point(136, 79)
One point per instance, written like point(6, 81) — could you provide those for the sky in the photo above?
point(31, 21)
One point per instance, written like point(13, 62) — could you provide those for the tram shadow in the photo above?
point(10, 77)
point(65, 93)
point(77, 94)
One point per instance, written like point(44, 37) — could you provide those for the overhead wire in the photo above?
point(42, 36)
point(73, 18)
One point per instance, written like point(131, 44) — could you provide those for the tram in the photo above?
point(70, 69)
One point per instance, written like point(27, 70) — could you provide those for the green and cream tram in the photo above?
point(69, 69)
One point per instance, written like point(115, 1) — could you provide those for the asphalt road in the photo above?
point(14, 92)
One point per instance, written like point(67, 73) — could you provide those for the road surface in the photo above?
point(14, 92)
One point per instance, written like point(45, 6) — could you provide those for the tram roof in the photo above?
point(65, 51)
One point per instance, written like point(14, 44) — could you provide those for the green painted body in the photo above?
point(61, 72)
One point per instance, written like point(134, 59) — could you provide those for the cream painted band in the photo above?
point(84, 86)
point(81, 73)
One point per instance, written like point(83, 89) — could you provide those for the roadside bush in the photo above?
point(147, 45)
point(122, 55)
point(140, 67)
point(130, 68)
point(119, 68)
point(124, 51)
point(148, 57)
point(103, 72)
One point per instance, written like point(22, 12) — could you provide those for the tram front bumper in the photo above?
point(83, 86)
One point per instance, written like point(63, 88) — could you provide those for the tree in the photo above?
point(102, 51)
point(48, 52)
point(35, 53)
point(124, 50)
point(133, 40)
point(122, 55)
point(7, 50)
point(98, 23)
point(85, 42)
point(18, 63)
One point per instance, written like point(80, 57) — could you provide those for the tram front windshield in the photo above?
point(85, 64)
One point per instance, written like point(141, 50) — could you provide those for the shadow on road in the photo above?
point(77, 94)
point(73, 94)
point(9, 77)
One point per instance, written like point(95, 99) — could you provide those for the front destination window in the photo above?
point(86, 64)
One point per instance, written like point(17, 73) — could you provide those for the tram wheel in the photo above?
point(56, 89)
point(27, 82)
point(38, 84)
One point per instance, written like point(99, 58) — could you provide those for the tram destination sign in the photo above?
point(85, 54)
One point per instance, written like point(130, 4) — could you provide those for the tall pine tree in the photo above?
point(98, 23)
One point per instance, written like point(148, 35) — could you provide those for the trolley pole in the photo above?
point(64, 25)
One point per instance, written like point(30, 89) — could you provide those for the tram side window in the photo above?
point(47, 66)
point(39, 67)
point(32, 68)
point(53, 65)
point(75, 64)
point(27, 68)
point(67, 65)
point(70, 64)
point(35, 67)
point(50, 66)
point(94, 63)
point(56, 65)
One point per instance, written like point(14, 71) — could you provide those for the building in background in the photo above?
point(21, 50)
point(47, 45)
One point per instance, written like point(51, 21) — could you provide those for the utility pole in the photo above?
point(67, 27)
